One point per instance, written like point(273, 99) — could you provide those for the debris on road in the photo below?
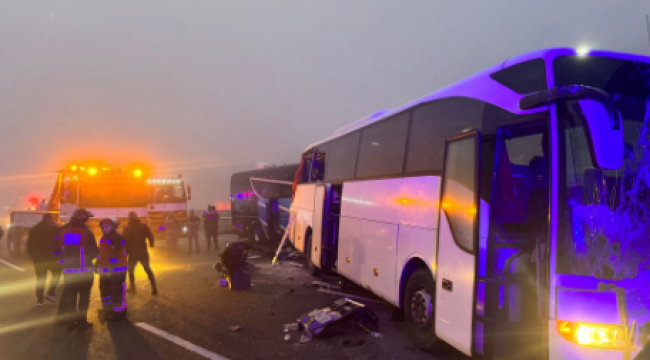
point(306, 337)
point(326, 291)
point(235, 328)
point(350, 343)
point(291, 327)
point(343, 310)
point(325, 285)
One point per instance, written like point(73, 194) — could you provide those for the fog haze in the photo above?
point(207, 88)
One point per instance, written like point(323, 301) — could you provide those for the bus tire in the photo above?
point(419, 310)
point(309, 265)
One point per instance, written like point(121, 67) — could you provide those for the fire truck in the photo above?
point(107, 192)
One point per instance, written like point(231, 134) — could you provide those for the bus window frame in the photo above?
point(476, 134)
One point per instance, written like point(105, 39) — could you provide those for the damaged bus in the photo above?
point(507, 214)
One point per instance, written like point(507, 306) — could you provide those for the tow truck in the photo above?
point(106, 192)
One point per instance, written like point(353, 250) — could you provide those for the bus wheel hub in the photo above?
point(422, 308)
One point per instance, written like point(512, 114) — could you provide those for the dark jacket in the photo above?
point(43, 241)
point(2, 233)
point(136, 234)
point(193, 223)
point(211, 222)
point(112, 252)
point(78, 247)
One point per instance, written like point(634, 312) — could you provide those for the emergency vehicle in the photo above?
point(168, 196)
point(106, 192)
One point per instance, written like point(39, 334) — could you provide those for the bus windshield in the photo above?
point(113, 193)
point(604, 225)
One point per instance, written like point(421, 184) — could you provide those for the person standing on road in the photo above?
point(112, 267)
point(193, 223)
point(211, 226)
point(136, 235)
point(171, 227)
point(78, 250)
point(43, 248)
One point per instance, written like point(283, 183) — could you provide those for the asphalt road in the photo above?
point(192, 307)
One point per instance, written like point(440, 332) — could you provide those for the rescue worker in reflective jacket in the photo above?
point(112, 266)
point(193, 223)
point(211, 226)
point(78, 249)
point(136, 235)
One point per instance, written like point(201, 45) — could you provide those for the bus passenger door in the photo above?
point(458, 231)
point(511, 258)
point(317, 225)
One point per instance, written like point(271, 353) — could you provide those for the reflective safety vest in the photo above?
point(112, 253)
point(78, 249)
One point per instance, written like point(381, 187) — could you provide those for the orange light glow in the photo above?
point(73, 167)
point(472, 210)
point(82, 168)
point(406, 201)
point(137, 173)
point(606, 336)
point(92, 171)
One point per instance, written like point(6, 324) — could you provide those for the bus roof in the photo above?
point(482, 87)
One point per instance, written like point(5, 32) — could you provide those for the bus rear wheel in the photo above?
point(311, 268)
point(419, 309)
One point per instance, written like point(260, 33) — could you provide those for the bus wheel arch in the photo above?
point(413, 264)
point(418, 304)
point(312, 269)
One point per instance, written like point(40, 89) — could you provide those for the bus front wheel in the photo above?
point(419, 309)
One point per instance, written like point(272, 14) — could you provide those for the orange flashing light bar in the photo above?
point(163, 181)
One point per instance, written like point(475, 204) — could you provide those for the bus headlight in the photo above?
point(604, 336)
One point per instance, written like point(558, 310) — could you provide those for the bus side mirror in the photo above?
point(599, 113)
point(607, 140)
point(189, 192)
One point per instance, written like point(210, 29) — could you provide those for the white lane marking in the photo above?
point(180, 342)
point(12, 265)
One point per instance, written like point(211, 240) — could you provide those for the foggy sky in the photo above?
point(218, 86)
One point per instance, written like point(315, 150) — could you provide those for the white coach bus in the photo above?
point(507, 214)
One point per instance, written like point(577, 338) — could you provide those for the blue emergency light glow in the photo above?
point(161, 228)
